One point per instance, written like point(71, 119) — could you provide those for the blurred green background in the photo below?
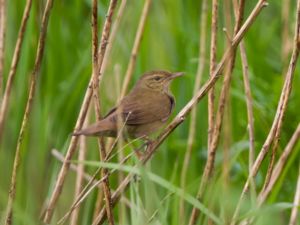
point(170, 42)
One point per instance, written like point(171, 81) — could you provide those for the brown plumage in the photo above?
point(144, 110)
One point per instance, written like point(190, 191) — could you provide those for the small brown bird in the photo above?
point(144, 110)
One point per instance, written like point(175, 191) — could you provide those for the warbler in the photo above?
point(143, 111)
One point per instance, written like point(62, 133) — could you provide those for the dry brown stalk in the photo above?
point(101, 144)
point(192, 127)
point(13, 67)
point(227, 132)
point(135, 49)
point(279, 166)
point(264, 193)
point(32, 89)
point(274, 134)
point(120, 143)
point(286, 43)
point(80, 174)
point(112, 37)
point(115, 197)
point(295, 209)
point(180, 117)
point(83, 111)
point(2, 40)
point(249, 103)
point(222, 101)
point(283, 99)
point(213, 63)
point(209, 167)
point(99, 202)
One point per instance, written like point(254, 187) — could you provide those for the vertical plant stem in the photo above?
point(136, 46)
point(13, 67)
point(80, 176)
point(274, 133)
point(226, 147)
point(2, 40)
point(112, 37)
point(209, 167)
point(121, 155)
point(249, 104)
point(222, 101)
point(295, 209)
point(83, 111)
point(104, 171)
point(180, 117)
point(192, 126)
point(33, 77)
point(249, 101)
point(264, 193)
point(227, 110)
point(285, 38)
point(212, 67)
point(283, 99)
point(279, 166)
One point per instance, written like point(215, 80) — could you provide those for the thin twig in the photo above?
point(136, 46)
point(227, 120)
point(249, 103)
point(279, 166)
point(101, 144)
point(83, 111)
point(284, 98)
point(120, 143)
point(192, 127)
point(2, 40)
point(248, 96)
point(274, 134)
point(213, 63)
point(112, 37)
point(286, 45)
point(14, 64)
point(264, 193)
point(180, 117)
point(295, 209)
point(31, 95)
point(80, 174)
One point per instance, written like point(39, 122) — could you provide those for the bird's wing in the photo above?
point(138, 110)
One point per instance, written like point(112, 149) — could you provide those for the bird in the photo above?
point(143, 111)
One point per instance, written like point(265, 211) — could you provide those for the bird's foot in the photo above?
point(140, 153)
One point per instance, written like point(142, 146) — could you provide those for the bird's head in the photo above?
point(157, 80)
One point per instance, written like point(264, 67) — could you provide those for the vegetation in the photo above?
point(249, 180)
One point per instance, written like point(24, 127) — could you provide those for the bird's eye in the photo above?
point(157, 78)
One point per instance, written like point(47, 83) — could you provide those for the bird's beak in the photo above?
point(177, 74)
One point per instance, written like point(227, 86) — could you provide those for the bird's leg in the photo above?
point(139, 152)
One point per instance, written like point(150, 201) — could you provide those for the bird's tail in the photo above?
point(101, 128)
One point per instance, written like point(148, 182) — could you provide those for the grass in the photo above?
point(170, 41)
